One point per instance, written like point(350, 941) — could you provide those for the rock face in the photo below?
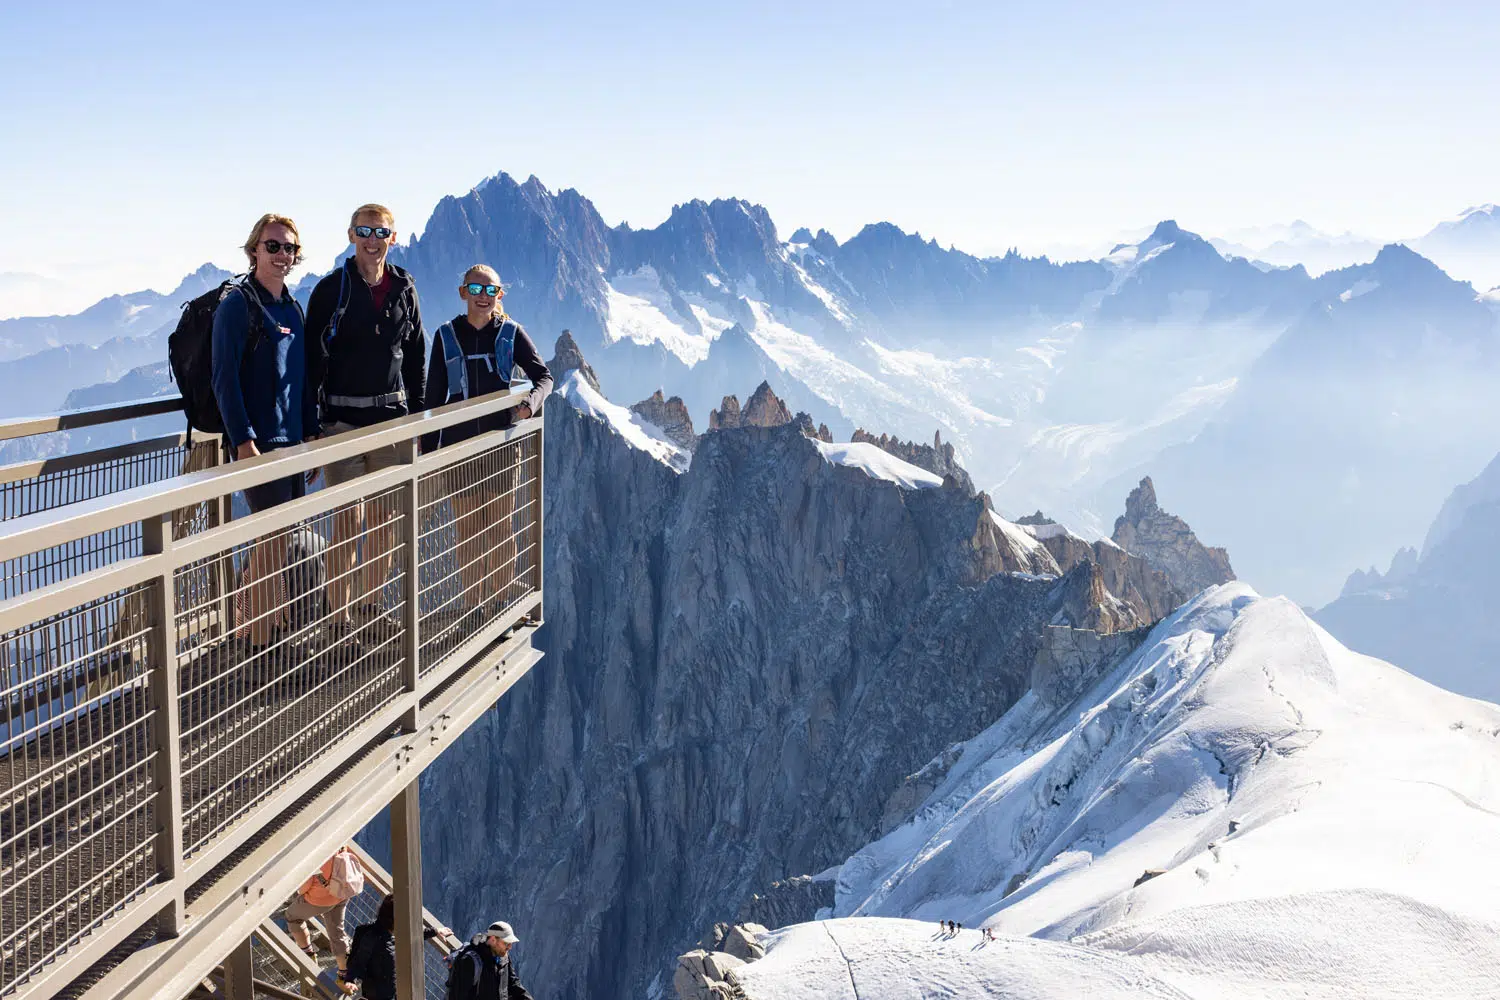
point(741, 940)
point(791, 901)
point(1144, 590)
point(744, 662)
point(727, 415)
point(671, 415)
point(701, 975)
point(765, 409)
point(1168, 543)
point(566, 357)
point(1072, 658)
point(935, 458)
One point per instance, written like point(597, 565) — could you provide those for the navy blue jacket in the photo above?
point(265, 397)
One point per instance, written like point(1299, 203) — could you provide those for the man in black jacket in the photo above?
point(482, 969)
point(367, 353)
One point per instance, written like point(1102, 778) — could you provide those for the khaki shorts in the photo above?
point(352, 468)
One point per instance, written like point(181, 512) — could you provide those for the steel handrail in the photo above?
point(89, 416)
point(43, 529)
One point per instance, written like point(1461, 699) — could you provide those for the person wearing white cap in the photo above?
point(481, 969)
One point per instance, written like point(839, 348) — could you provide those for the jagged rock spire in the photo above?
point(765, 409)
point(1166, 541)
point(566, 357)
point(671, 415)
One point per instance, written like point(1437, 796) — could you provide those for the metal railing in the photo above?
point(172, 683)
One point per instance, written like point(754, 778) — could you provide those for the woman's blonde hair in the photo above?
point(253, 240)
point(491, 276)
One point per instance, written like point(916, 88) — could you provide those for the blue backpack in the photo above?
point(502, 361)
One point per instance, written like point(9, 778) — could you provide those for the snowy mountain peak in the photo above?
point(1168, 231)
point(1233, 783)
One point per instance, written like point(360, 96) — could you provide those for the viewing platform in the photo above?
point(172, 766)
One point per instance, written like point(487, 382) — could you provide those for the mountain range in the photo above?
point(1059, 385)
point(749, 648)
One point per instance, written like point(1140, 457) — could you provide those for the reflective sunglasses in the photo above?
point(475, 288)
point(276, 246)
point(364, 232)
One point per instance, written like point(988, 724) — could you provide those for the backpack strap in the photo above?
point(257, 317)
point(342, 306)
point(455, 362)
point(505, 348)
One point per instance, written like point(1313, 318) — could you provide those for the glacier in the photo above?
point(1241, 808)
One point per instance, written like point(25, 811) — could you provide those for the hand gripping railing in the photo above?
point(161, 700)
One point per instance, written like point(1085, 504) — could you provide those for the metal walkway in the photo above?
point(198, 709)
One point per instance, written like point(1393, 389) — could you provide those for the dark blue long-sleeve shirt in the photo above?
point(265, 397)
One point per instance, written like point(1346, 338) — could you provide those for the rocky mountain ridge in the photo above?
point(937, 458)
point(744, 660)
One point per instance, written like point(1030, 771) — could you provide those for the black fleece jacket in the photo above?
point(482, 379)
point(369, 354)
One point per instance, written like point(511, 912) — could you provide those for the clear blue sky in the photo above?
point(141, 139)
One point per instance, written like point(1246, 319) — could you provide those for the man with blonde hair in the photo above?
point(369, 359)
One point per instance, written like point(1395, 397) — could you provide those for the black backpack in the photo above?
point(190, 351)
point(471, 960)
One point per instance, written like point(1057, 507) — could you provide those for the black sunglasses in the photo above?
point(476, 288)
point(276, 246)
point(364, 232)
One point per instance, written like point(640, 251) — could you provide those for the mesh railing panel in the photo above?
point(269, 968)
point(363, 908)
point(479, 543)
point(77, 776)
point(51, 490)
point(282, 646)
point(315, 651)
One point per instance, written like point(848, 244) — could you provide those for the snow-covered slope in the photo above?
point(1320, 820)
point(878, 464)
point(636, 432)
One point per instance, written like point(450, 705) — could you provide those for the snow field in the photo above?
point(878, 464)
point(1323, 823)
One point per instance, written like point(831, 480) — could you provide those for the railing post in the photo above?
point(406, 886)
point(156, 540)
point(411, 564)
point(239, 972)
point(223, 581)
point(541, 517)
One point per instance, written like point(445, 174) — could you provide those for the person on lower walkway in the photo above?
point(482, 970)
point(325, 896)
point(372, 955)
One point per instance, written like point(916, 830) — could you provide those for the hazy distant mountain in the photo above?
point(1467, 247)
point(1299, 243)
point(1428, 612)
point(1347, 431)
point(52, 355)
